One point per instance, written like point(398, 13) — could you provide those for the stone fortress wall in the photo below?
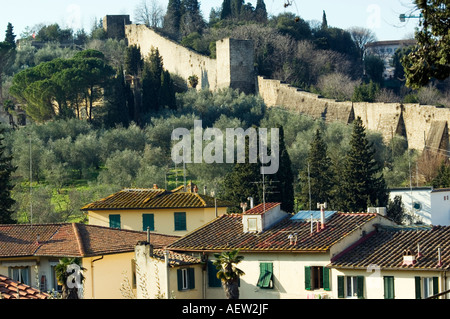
point(421, 125)
point(233, 66)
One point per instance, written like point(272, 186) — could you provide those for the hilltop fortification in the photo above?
point(422, 125)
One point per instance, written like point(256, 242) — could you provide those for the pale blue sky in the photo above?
point(381, 16)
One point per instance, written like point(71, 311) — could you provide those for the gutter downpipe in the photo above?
point(92, 274)
point(166, 261)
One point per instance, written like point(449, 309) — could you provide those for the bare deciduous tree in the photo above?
point(149, 13)
point(361, 36)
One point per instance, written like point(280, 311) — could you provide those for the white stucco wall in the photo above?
point(440, 204)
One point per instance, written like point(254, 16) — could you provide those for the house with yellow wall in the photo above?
point(285, 256)
point(400, 262)
point(175, 212)
point(30, 253)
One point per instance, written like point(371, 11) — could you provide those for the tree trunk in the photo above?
point(231, 288)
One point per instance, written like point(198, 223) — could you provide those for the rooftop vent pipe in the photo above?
point(322, 214)
point(251, 202)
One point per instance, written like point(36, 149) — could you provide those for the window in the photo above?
point(148, 221)
point(186, 278)
point(426, 287)
point(317, 277)
point(20, 274)
point(389, 287)
point(354, 287)
point(213, 281)
point(252, 224)
point(265, 279)
point(180, 221)
point(114, 221)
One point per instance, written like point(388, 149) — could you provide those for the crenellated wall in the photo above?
point(420, 124)
point(176, 58)
point(233, 66)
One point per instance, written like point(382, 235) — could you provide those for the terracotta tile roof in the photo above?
point(10, 289)
point(72, 240)
point(177, 259)
point(261, 208)
point(154, 199)
point(226, 232)
point(385, 248)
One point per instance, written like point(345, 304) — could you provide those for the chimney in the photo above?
point(244, 207)
point(439, 264)
point(195, 189)
point(322, 214)
point(251, 202)
point(155, 186)
point(292, 239)
point(204, 190)
point(408, 258)
point(418, 251)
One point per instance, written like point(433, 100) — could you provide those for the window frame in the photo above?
point(357, 287)
point(112, 221)
point(389, 284)
point(252, 224)
point(177, 221)
point(20, 269)
point(186, 279)
point(151, 222)
point(317, 277)
point(426, 286)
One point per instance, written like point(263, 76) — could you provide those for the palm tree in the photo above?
point(67, 267)
point(228, 273)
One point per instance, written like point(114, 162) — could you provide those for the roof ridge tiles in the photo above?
point(79, 239)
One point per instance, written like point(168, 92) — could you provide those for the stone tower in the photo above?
point(114, 25)
point(235, 65)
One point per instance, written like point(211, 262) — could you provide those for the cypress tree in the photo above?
point(6, 169)
point(226, 9)
point(151, 82)
point(172, 19)
point(318, 177)
point(324, 20)
point(362, 182)
point(133, 60)
point(167, 94)
point(261, 11)
point(191, 19)
point(10, 37)
point(236, 6)
point(244, 180)
point(281, 184)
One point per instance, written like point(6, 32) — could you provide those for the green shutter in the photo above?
point(148, 220)
point(360, 288)
point(180, 221)
point(191, 278)
point(435, 285)
point(418, 284)
point(307, 277)
point(341, 293)
point(180, 279)
point(114, 221)
point(326, 278)
point(213, 281)
point(388, 287)
point(265, 275)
